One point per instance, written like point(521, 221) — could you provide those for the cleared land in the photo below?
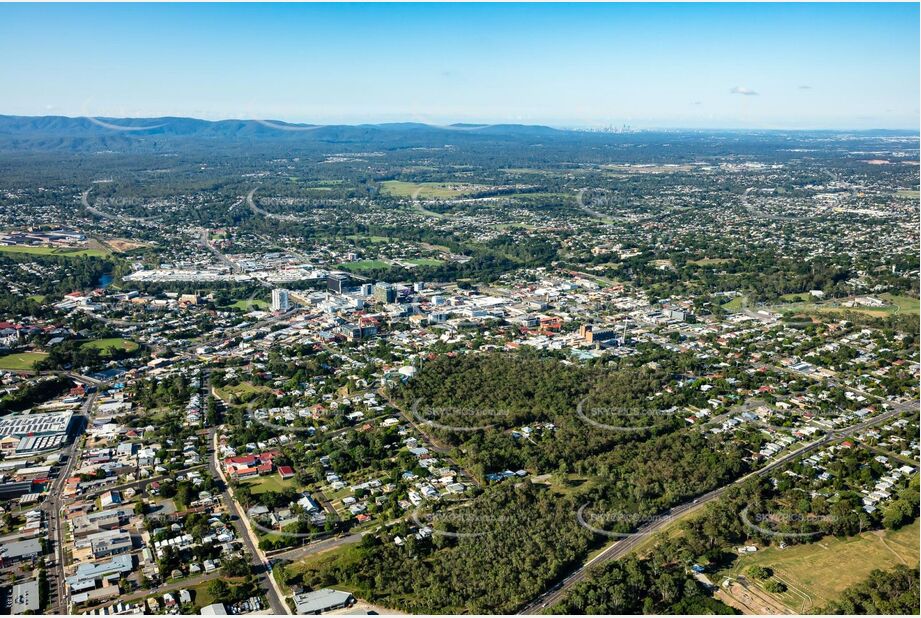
point(817, 573)
point(243, 391)
point(120, 245)
point(424, 190)
point(270, 483)
point(23, 361)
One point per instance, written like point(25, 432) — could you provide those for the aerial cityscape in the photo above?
point(442, 327)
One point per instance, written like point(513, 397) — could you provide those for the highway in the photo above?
point(622, 547)
point(318, 547)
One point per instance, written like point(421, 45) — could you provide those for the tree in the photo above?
point(758, 572)
point(219, 590)
point(775, 587)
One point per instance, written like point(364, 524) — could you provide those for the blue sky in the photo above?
point(647, 65)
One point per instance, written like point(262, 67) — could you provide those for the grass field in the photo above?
point(22, 361)
point(371, 238)
point(903, 304)
point(817, 573)
point(424, 190)
point(53, 251)
point(907, 193)
point(736, 304)
point(422, 210)
point(249, 304)
point(272, 482)
point(710, 261)
point(361, 265)
point(423, 261)
point(240, 392)
point(113, 342)
point(896, 304)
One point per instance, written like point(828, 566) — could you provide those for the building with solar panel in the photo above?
point(36, 432)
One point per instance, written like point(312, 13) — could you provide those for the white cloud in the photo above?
point(743, 90)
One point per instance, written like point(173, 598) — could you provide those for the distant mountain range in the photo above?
point(81, 134)
point(62, 134)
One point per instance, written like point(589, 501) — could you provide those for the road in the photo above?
point(84, 200)
point(318, 547)
point(248, 536)
point(622, 547)
point(203, 241)
point(54, 505)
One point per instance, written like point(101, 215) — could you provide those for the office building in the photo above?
point(280, 301)
point(337, 283)
point(385, 293)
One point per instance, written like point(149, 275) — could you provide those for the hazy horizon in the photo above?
point(586, 127)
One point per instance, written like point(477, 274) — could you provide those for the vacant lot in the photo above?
point(242, 392)
point(424, 190)
point(120, 245)
point(272, 482)
point(819, 572)
point(23, 361)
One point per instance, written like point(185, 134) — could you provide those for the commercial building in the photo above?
point(593, 334)
point(385, 293)
point(215, 609)
point(99, 521)
point(280, 300)
point(337, 283)
point(25, 598)
point(90, 576)
point(35, 432)
point(11, 553)
point(105, 543)
point(322, 600)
